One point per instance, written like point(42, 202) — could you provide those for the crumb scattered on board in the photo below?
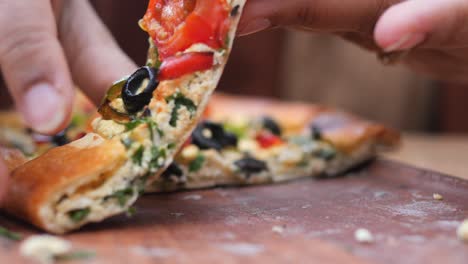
point(47, 249)
point(363, 235)
point(44, 248)
point(462, 231)
point(194, 197)
point(437, 197)
point(278, 229)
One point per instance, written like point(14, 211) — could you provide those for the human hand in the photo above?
point(431, 34)
point(3, 179)
point(48, 45)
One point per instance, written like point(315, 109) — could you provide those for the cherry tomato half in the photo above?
point(267, 140)
point(175, 25)
point(177, 66)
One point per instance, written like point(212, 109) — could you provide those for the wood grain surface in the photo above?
point(303, 221)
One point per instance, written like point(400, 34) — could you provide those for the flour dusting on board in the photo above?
point(422, 208)
point(154, 252)
point(243, 249)
point(194, 197)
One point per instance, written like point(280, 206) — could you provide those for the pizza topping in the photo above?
point(315, 132)
point(248, 145)
point(250, 166)
point(217, 139)
point(173, 170)
point(190, 152)
point(174, 26)
point(138, 89)
point(271, 125)
point(137, 157)
point(122, 196)
point(197, 163)
point(79, 214)
point(114, 93)
point(180, 65)
point(327, 153)
point(158, 156)
point(180, 101)
point(235, 10)
point(267, 140)
point(60, 139)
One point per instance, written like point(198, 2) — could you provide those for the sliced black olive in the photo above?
point(60, 139)
point(315, 132)
point(146, 113)
point(136, 97)
point(209, 135)
point(235, 10)
point(271, 125)
point(173, 170)
point(250, 166)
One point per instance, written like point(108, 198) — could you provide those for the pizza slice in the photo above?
point(244, 141)
point(247, 141)
point(145, 119)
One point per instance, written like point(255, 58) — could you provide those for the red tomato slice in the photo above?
point(267, 140)
point(177, 66)
point(175, 25)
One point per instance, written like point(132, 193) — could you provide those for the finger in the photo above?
point(33, 64)
point(94, 57)
point(318, 15)
point(3, 180)
point(432, 23)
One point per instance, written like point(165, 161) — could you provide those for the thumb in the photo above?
point(94, 57)
point(33, 64)
point(428, 23)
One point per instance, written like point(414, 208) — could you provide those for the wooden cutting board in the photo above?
point(302, 221)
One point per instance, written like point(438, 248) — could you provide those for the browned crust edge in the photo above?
point(34, 184)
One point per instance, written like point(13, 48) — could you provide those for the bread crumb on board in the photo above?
point(278, 229)
point(363, 235)
point(44, 248)
point(462, 231)
point(437, 197)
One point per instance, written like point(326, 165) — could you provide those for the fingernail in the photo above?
point(407, 42)
point(254, 26)
point(43, 108)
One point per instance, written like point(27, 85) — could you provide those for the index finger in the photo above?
point(319, 15)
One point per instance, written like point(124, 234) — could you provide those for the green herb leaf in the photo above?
point(131, 211)
point(134, 124)
point(78, 215)
point(326, 153)
point(10, 234)
point(156, 154)
point(171, 146)
point(179, 101)
point(137, 157)
point(78, 255)
point(197, 163)
point(127, 142)
point(152, 126)
point(123, 196)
